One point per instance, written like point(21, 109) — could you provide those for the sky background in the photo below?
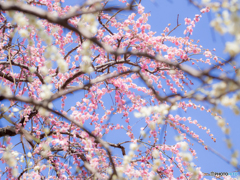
point(164, 12)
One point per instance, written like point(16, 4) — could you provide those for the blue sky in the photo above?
point(164, 12)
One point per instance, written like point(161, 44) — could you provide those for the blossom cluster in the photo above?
point(86, 65)
point(227, 20)
point(54, 63)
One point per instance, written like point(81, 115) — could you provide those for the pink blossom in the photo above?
point(140, 9)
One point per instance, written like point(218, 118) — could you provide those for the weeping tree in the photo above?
point(68, 71)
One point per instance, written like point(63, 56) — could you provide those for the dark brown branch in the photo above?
point(24, 67)
point(65, 57)
point(11, 79)
point(11, 131)
point(8, 131)
point(100, 21)
point(31, 115)
point(118, 146)
point(69, 80)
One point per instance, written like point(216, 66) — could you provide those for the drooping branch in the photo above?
point(13, 131)
point(24, 67)
point(88, 85)
point(11, 79)
point(44, 105)
point(64, 22)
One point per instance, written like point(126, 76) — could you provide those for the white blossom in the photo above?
point(155, 154)
point(44, 70)
point(234, 162)
point(87, 68)
point(152, 125)
point(126, 159)
point(226, 101)
point(160, 120)
point(12, 162)
point(179, 138)
point(221, 123)
point(50, 105)
point(6, 155)
point(46, 91)
point(48, 64)
point(86, 52)
point(23, 33)
point(232, 48)
point(29, 154)
point(120, 171)
point(219, 88)
point(86, 59)
point(157, 162)
point(154, 177)
point(86, 44)
point(47, 55)
point(215, 6)
point(89, 17)
point(145, 111)
point(57, 56)
point(235, 154)
point(93, 29)
point(206, 1)
point(63, 66)
point(52, 49)
point(30, 79)
point(186, 156)
point(15, 109)
point(226, 131)
point(36, 168)
point(31, 19)
point(30, 163)
point(48, 40)
point(15, 153)
point(225, 14)
point(11, 13)
point(43, 35)
point(184, 146)
point(15, 172)
point(21, 21)
point(47, 79)
point(154, 167)
point(5, 90)
point(11, 115)
point(46, 130)
point(39, 24)
point(43, 112)
point(98, 6)
point(109, 170)
point(131, 154)
point(137, 115)
point(143, 134)
point(17, 16)
point(32, 69)
point(133, 146)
